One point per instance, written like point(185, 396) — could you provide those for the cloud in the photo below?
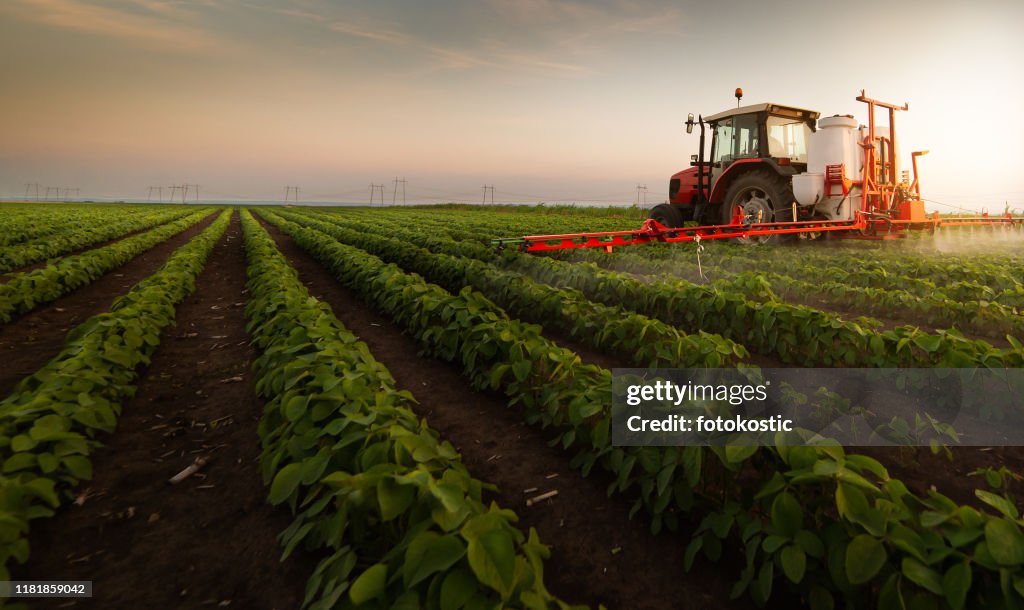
point(161, 28)
point(546, 36)
point(487, 55)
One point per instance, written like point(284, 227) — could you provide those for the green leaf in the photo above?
point(457, 589)
point(296, 407)
point(691, 552)
point(787, 516)
point(370, 584)
point(853, 504)
point(48, 462)
point(394, 498)
point(872, 465)
point(79, 466)
point(890, 596)
point(865, 556)
point(773, 543)
point(19, 461)
point(522, 369)
point(21, 443)
point(997, 502)
point(285, 482)
point(1005, 542)
point(774, 485)
point(908, 541)
point(956, 583)
point(820, 599)
point(929, 343)
point(764, 579)
point(492, 557)
point(429, 553)
point(810, 543)
point(921, 574)
point(43, 489)
point(737, 454)
point(794, 563)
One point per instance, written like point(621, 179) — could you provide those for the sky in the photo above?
point(546, 100)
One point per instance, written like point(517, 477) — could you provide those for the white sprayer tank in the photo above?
point(836, 141)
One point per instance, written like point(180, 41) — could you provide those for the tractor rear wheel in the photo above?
point(762, 196)
point(668, 215)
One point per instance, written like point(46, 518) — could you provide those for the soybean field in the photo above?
point(306, 407)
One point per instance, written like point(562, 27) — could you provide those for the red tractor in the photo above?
point(755, 152)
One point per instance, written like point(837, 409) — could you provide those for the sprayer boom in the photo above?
point(653, 231)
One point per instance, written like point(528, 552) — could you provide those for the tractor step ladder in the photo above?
point(835, 175)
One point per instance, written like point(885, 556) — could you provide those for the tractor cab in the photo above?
point(754, 152)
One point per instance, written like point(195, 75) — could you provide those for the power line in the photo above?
point(491, 189)
point(160, 193)
point(641, 189)
point(176, 188)
point(373, 192)
point(394, 195)
point(288, 190)
point(32, 185)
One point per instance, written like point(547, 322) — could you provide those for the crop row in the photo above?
point(25, 222)
point(833, 527)
point(49, 424)
point(869, 265)
point(486, 226)
point(613, 329)
point(795, 334)
point(392, 509)
point(833, 270)
point(977, 314)
point(20, 255)
point(26, 291)
point(883, 267)
point(855, 263)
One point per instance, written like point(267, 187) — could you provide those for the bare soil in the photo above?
point(211, 540)
point(598, 554)
point(6, 276)
point(28, 342)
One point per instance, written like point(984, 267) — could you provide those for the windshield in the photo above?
point(735, 138)
point(787, 138)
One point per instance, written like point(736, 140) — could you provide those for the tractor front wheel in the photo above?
point(761, 196)
point(668, 215)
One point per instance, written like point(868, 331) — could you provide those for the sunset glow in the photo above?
point(547, 100)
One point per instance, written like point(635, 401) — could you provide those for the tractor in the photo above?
point(755, 152)
point(780, 173)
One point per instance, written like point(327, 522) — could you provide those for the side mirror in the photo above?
point(693, 159)
point(689, 123)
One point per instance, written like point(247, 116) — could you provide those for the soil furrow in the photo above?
point(27, 343)
point(210, 540)
point(6, 276)
point(598, 555)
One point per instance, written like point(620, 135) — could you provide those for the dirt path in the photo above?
point(6, 276)
point(28, 342)
point(212, 538)
point(598, 554)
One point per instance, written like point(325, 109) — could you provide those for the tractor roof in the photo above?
point(770, 108)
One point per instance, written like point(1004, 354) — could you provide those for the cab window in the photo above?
point(723, 142)
point(736, 138)
point(787, 138)
point(745, 131)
